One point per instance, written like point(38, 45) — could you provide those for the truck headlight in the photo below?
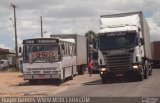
point(103, 69)
point(135, 67)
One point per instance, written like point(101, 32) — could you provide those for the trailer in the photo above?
point(155, 53)
point(81, 49)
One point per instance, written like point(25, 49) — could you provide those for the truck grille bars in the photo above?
point(119, 62)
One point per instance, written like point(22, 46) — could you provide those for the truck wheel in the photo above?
point(81, 70)
point(146, 70)
point(105, 80)
point(140, 77)
point(71, 77)
point(32, 82)
point(3, 69)
point(60, 81)
point(150, 72)
point(146, 74)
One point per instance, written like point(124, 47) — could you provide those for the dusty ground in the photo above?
point(12, 84)
point(121, 88)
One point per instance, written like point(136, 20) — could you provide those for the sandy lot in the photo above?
point(12, 84)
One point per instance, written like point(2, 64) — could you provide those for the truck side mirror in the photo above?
point(139, 29)
point(101, 61)
point(20, 49)
point(142, 41)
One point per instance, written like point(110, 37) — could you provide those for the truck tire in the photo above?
point(146, 70)
point(150, 69)
point(60, 81)
point(104, 80)
point(141, 77)
point(32, 82)
point(71, 77)
point(81, 70)
point(150, 72)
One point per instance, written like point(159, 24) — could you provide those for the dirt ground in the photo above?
point(12, 84)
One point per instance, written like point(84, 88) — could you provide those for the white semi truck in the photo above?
point(124, 46)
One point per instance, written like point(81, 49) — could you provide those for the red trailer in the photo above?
point(155, 53)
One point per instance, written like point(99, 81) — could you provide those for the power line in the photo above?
point(44, 19)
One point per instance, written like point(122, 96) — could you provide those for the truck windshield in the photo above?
point(40, 53)
point(114, 41)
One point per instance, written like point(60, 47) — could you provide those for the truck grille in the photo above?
point(47, 72)
point(118, 63)
point(36, 72)
point(39, 72)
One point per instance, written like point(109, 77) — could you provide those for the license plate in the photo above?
point(119, 75)
point(41, 76)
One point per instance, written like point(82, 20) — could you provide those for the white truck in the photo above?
point(12, 61)
point(4, 65)
point(124, 46)
point(80, 49)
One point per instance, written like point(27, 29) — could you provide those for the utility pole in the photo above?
point(41, 27)
point(16, 44)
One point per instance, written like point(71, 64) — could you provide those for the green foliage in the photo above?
point(91, 36)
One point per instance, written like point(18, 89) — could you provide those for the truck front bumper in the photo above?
point(133, 72)
point(127, 74)
point(41, 76)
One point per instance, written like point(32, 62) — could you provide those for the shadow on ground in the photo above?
point(112, 81)
point(54, 82)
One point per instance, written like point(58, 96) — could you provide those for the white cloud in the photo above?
point(70, 16)
point(154, 30)
point(154, 25)
point(4, 46)
point(19, 41)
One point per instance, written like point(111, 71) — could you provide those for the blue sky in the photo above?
point(68, 16)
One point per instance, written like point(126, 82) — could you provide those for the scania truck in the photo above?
point(124, 46)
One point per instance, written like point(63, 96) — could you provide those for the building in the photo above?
point(5, 53)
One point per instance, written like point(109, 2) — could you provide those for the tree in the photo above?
point(92, 42)
point(92, 38)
